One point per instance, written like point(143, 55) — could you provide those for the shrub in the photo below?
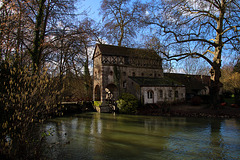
point(127, 103)
point(196, 100)
point(26, 98)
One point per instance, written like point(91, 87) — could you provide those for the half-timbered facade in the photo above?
point(137, 71)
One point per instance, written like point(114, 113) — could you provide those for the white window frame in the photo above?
point(150, 94)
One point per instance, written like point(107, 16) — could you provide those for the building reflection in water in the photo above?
point(106, 136)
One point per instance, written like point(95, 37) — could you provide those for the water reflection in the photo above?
point(107, 136)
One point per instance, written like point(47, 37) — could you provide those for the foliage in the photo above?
point(230, 79)
point(87, 81)
point(127, 103)
point(26, 99)
point(75, 87)
point(237, 67)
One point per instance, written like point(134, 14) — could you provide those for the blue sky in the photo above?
point(92, 8)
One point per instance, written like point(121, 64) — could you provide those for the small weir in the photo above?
point(77, 107)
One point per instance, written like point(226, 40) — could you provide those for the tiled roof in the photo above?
point(124, 51)
point(192, 82)
point(156, 82)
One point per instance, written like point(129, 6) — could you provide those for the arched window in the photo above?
point(150, 94)
point(170, 93)
point(111, 73)
point(176, 94)
point(113, 90)
point(161, 93)
point(124, 84)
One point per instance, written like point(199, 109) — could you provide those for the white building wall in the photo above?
point(166, 97)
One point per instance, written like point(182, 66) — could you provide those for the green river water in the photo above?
point(95, 136)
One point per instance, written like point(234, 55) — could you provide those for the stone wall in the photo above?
point(97, 76)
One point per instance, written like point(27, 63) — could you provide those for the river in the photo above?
point(95, 136)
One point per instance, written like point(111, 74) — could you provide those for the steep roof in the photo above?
point(111, 50)
point(156, 82)
point(193, 83)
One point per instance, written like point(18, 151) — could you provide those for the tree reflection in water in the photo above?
point(107, 136)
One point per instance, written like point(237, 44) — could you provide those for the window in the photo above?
point(133, 74)
point(124, 84)
point(170, 93)
point(124, 74)
point(160, 93)
point(142, 74)
point(150, 94)
point(111, 73)
point(176, 94)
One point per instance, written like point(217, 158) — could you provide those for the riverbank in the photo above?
point(186, 110)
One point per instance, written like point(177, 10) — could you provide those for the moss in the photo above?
point(97, 103)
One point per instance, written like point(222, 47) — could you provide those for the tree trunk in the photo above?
point(216, 65)
point(38, 41)
point(215, 86)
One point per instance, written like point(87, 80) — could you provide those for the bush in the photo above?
point(196, 100)
point(127, 103)
point(26, 99)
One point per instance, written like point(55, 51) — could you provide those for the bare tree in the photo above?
point(25, 26)
point(194, 66)
point(205, 29)
point(73, 45)
point(120, 20)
